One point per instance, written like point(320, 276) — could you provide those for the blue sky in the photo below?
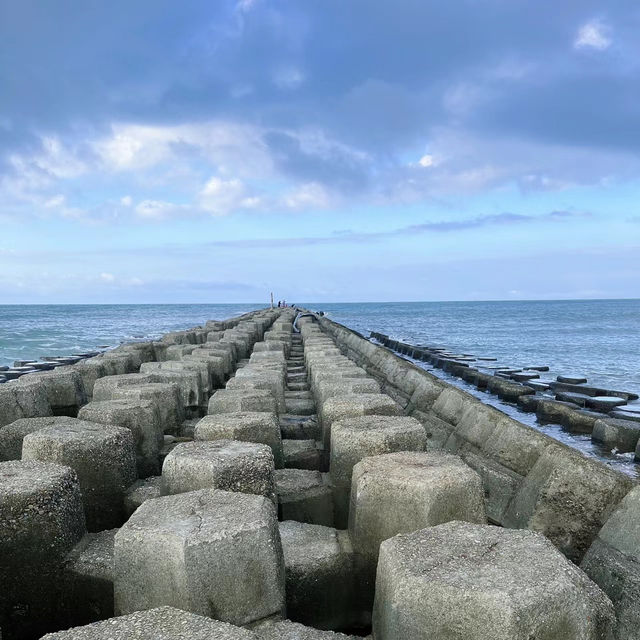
point(154, 151)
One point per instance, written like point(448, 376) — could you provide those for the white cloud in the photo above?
point(126, 201)
point(220, 197)
point(426, 160)
point(107, 277)
point(593, 35)
point(308, 196)
point(55, 201)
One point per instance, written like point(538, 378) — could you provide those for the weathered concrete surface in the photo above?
point(103, 457)
point(211, 552)
point(249, 426)
point(613, 562)
point(484, 582)
point(233, 401)
point(305, 496)
point(143, 420)
point(12, 435)
point(88, 579)
point(356, 438)
point(287, 630)
point(615, 433)
point(64, 388)
point(140, 491)
point(163, 623)
point(41, 519)
point(230, 465)
point(27, 400)
point(407, 491)
point(322, 578)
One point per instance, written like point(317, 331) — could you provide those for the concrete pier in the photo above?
point(256, 478)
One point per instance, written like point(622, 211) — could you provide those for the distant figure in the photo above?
point(278, 303)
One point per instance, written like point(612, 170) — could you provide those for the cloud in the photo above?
point(593, 35)
point(159, 210)
point(220, 197)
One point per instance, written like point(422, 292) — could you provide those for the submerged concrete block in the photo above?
point(613, 563)
point(484, 583)
point(233, 401)
point(88, 579)
point(41, 519)
point(163, 623)
point(305, 496)
point(211, 552)
point(322, 578)
point(141, 418)
point(356, 438)
point(103, 456)
point(230, 465)
point(615, 433)
point(407, 491)
point(249, 426)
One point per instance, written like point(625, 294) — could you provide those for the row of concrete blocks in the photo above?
point(588, 511)
point(194, 540)
point(613, 430)
point(94, 459)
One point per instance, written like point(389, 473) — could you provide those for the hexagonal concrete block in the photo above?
point(103, 457)
point(88, 579)
point(234, 400)
point(407, 491)
point(460, 580)
point(323, 586)
point(230, 465)
point(163, 623)
point(352, 406)
point(211, 552)
point(356, 438)
point(304, 496)
point(249, 426)
point(41, 520)
point(143, 420)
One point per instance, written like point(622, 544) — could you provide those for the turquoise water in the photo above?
point(597, 338)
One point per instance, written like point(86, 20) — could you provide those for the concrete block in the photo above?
point(613, 433)
point(288, 630)
point(301, 454)
point(103, 457)
point(141, 490)
point(196, 366)
point(354, 405)
point(484, 583)
point(230, 465)
point(105, 388)
point(249, 426)
point(329, 387)
point(236, 400)
point(407, 491)
point(188, 382)
point(143, 420)
point(304, 496)
point(89, 371)
point(251, 378)
point(322, 577)
point(163, 623)
point(23, 401)
point(12, 435)
point(613, 563)
point(211, 552)
point(88, 579)
point(41, 520)
point(166, 399)
point(356, 438)
point(65, 390)
point(568, 498)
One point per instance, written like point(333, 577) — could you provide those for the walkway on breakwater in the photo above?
point(257, 478)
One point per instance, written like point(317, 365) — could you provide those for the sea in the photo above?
point(597, 339)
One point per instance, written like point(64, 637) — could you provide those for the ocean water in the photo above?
point(598, 339)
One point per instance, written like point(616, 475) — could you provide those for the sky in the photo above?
point(325, 150)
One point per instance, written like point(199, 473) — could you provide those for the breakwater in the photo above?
point(244, 479)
